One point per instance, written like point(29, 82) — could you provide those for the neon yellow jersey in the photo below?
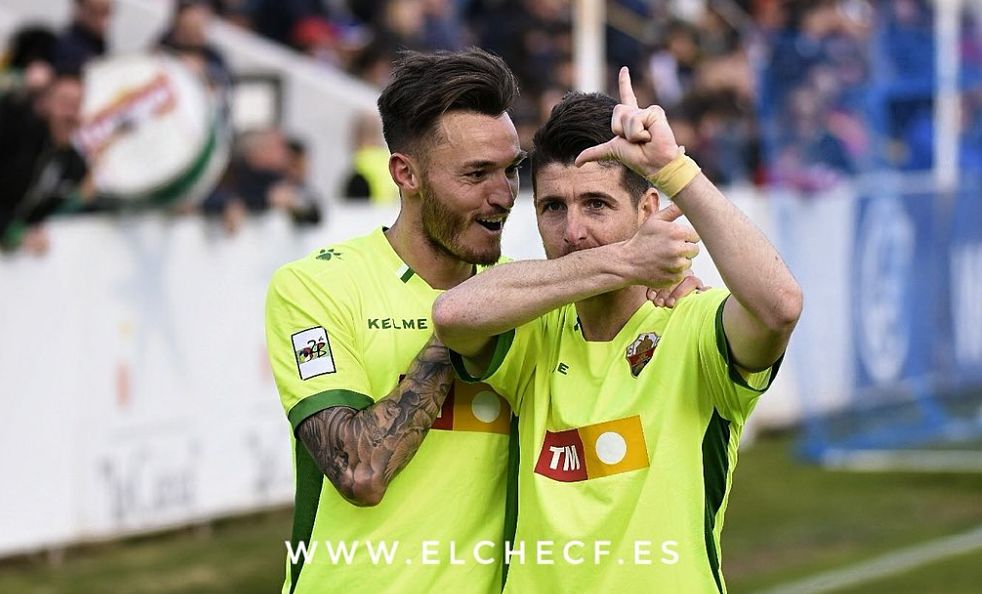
point(342, 325)
point(627, 448)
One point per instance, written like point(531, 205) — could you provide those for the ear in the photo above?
point(648, 205)
point(405, 173)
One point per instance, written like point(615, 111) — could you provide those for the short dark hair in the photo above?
point(424, 86)
point(579, 121)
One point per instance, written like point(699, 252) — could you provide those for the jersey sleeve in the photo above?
point(510, 371)
point(312, 345)
point(734, 393)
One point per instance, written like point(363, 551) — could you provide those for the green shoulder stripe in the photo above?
point(318, 402)
point(723, 346)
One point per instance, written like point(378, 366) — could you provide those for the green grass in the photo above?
point(241, 556)
point(785, 521)
point(958, 575)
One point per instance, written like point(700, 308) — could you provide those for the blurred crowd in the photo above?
point(796, 93)
point(793, 93)
point(43, 170)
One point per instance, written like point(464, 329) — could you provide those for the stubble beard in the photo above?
point(443, 227)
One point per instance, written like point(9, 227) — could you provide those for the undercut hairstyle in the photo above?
point(424, 86)
point(578, 122)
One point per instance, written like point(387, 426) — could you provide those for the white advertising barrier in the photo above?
point(135, 392)
point(814, 235)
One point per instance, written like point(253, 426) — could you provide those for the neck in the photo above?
point(439, 269)
point(603, 316)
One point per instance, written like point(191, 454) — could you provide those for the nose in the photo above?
point(503, 191)
point(575, 232)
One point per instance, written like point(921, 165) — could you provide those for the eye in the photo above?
point(596, 204)
point(475, 175)
point(551, 206)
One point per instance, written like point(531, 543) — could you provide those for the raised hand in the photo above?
point(643, 140)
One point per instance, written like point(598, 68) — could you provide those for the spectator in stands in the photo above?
point(401, 23)
point(672, 68)
point(908, 40)
point(442, 28)
point(85, 38)
point(627, 42)
point(374, 63)
point(370, 178)
point(188, 34)
point(533, 37)
point(811, 159)
point(299, 199)
point(41, 172)
point(717, 37)
point(907, 80)
point(278, 19)
point(259, 179)
point(798, 48)
point(27, 69)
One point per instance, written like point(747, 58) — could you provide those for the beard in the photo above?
point(443, 229)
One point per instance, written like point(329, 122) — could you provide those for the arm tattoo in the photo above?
point(361, 451)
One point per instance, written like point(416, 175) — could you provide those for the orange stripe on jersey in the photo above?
point(479, 408)
point(614, 447)
point(473, 407)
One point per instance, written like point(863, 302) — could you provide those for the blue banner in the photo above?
point(965, 268)
point(897, 279)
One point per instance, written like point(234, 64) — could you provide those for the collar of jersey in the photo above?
point(400, 269)
point(629, 332)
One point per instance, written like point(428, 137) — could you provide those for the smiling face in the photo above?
point(469, 183)
point(584, 207)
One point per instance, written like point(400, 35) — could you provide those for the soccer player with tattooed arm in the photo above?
point(389, 449)
point(629, 414)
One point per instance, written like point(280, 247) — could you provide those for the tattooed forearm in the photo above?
point(361, 451)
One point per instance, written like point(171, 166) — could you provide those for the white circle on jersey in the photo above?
point(486, 406)
point(611, 447)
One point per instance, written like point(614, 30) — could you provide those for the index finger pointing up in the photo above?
point(627, 91)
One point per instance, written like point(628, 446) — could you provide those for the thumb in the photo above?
point(668, 214)
point(600, 152)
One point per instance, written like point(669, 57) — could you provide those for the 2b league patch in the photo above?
point(313, 352)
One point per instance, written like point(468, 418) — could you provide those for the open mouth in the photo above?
point(492, 224)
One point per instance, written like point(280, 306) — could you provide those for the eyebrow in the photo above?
point(521, 156)
point(583, 196)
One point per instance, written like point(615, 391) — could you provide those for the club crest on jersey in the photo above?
point(590, 452)
point(312, 349)
point(641, 351)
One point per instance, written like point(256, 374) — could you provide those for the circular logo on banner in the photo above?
point(152, 130)
point(885, 245)
point(486, 407)
point(611, 447)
